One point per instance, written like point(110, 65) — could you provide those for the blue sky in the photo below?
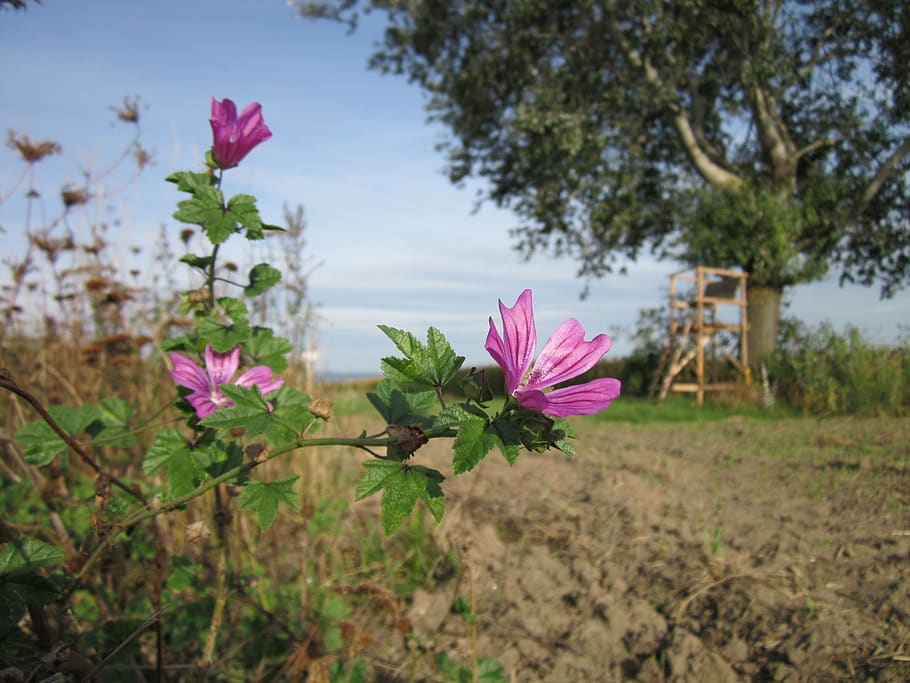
point(397, 243)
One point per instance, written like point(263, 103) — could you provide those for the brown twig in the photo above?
point(11, 386)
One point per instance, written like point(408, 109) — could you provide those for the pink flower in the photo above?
point(565, 355)
point(235, 136)
point(207, 397)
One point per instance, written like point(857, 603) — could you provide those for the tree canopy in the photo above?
point(769, 135)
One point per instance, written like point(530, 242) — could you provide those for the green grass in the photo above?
point(350, 400)
point(681, 409)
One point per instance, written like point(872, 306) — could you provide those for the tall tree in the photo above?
point(769, 135)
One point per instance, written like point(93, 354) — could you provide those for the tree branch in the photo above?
point(884, 172)
point(713, 173)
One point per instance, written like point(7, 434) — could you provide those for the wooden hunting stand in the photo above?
point(707, 316)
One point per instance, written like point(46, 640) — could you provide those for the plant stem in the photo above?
point(156, 507)
point(221, 521)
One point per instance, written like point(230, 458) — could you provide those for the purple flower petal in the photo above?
point(221, 366)
point(515, 349)
point(261, 376)
point(581, 399)
point(203, 404)
point(234, 137)
point(566, 355)
point(187, 374)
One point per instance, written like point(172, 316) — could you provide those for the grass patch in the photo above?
point(680, 409)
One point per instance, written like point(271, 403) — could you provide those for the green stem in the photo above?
point(156, 507)
point(221, 522)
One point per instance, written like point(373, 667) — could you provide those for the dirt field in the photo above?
point(728, 551)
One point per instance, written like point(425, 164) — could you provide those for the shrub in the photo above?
point(821, 371)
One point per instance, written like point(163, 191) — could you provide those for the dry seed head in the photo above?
point(128, 111)
point(74, 196)
point(32, 151)
point(96, 284)
point(198, 296)
point(142, 156)
point(321, 409)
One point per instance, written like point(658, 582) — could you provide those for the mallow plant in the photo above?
point(238, 412)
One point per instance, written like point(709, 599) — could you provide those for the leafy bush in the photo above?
point(821, 371)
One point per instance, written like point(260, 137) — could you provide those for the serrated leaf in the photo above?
point(20, 580)
point(567, 443)
point(242, 209)
point(189, 181)
point(25, 554)
point(172, 450)
point(402, 486)
point(224, 336)
point(264, 348)
point(112, 424)
point(250, 411)
point(472, 444)
point(42, 444)
point(262, 276)
point(206, 209)
point(397, 407)
point(431, 365)
point(290, 414)
point(200, 262)
point(263, 498)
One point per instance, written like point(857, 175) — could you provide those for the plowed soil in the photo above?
point(741, 550)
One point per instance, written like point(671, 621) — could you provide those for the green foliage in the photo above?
point(754, 228)
point(264, 348)
point(224, 329)
point(397, 407)
point(184, 469)
point(488, 670)
point(821, 371)
point(21, 580)
point(263, 498)
point(774, 140)
point(402, 485)
point(262, 277)
point(105, 422)
point(432, 365)
point(207, 209)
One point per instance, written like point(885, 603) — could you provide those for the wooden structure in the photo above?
point(707, 318)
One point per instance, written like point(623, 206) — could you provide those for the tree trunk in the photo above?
point(763, 307)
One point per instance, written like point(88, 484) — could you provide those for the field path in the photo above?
point(725, 551)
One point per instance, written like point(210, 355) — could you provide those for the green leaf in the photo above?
point(183, 573)
point(224, 336)
point(20, 580)
point(112, 424)
point(263, 498)
point(358, 674)
point(397, 407)
point(28, 555)
point(472, 444)
point(264, 348)
point(42, 444)
point(201, 262)
point(250, 411)
point(206, 209)
point(262, 276)
point(189, 181)
point(290, 415)
point(402, 485)
point(431, 365)
point(242, 209)
point(172, 450)
point(567, 443)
